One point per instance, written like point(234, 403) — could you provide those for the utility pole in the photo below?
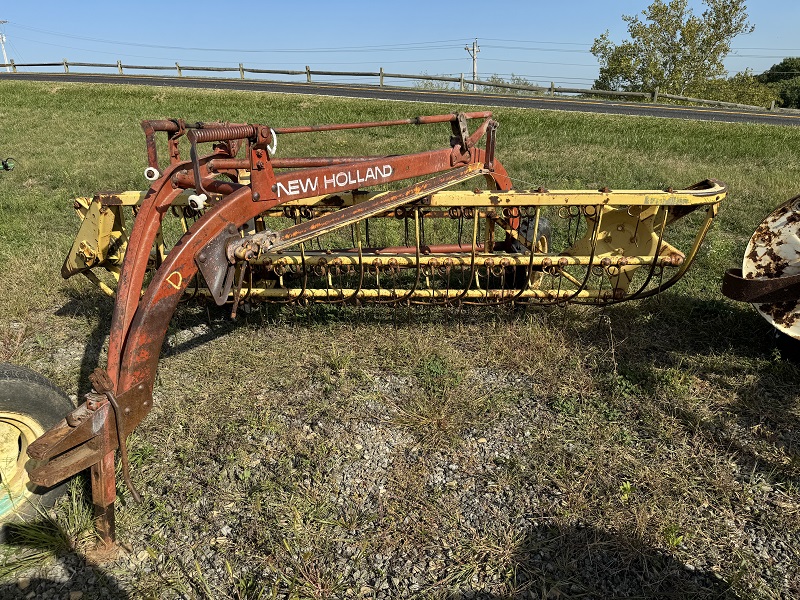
point(3, 46)
point(473, 52)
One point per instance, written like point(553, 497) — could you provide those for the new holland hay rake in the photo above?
point(260, 227)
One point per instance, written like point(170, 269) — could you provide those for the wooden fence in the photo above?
point(382, 75)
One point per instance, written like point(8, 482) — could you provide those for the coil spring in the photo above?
point(216, 134)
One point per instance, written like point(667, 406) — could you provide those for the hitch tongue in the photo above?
point(71, 446)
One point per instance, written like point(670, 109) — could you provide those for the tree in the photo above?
point(788, 68)
point(788, 92)
point(672, 48)
point(743, 88)
point(784, 79)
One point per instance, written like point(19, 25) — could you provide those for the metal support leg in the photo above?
point(104, 493)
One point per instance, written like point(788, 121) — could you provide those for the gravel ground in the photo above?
point(340, 480)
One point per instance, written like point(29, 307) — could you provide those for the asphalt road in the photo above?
point(439, 97)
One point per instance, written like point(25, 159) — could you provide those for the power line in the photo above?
point(226, 62)
point(736, 55)
point(754, 48)
point(536, 62)
point(337, 63)
point(397, 47)
point(538, 49)
point(410, 46)
point(538, 42)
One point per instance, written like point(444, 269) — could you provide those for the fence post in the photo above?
point(177, 66)
point(655, 95)
point(66, 66)
point(381, 76)
point(13, 66)
point(119, 66)
point(241, 70)
point(552, 89)
point(461, 83)
point(308, 74)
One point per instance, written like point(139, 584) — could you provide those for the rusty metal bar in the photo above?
point(272, 241)
point(423, 120)
point(221, 164)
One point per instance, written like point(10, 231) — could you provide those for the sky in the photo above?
point(541, 41)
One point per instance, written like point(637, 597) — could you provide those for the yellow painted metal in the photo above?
point(427, 294)
point(514, 198)
point(464, 259)
point(624, 232)
point(615, 233)
point(102, 285)
point(102, 238)
point(490, 199)
point(17, 431)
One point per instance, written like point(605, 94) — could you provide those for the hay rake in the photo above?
point(396, 229)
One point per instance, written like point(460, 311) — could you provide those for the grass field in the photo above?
point(644, 450)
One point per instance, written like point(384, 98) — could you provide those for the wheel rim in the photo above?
point(17, 431)
point(773, 252)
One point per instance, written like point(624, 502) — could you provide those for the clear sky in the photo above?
point(541, 41)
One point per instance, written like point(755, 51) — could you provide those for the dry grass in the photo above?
point(561, 453)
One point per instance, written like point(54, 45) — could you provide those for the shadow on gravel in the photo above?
point(587, 563)
point(196, 323)
point(731, 347)
point(96, 308)
point(668, 331)
point(69, 574)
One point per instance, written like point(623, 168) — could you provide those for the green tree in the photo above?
point(670, 47)
point(784, 79)
point(788, 68)
point(743, 88)
point(788, 92)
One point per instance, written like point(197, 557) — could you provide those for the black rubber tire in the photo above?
point(34, 404)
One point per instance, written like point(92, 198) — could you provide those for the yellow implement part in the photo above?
point(489, 199)
point(101, 239)
point(331, 260)
point(623, 232)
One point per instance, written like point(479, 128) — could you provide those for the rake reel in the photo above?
point(439, 227)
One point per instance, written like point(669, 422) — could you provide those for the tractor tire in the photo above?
point(29, 406)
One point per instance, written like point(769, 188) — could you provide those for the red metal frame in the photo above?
point(90, 435)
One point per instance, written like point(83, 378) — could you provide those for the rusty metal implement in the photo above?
point(437, 227)
point(770, 273)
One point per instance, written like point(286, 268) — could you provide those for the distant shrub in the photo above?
point(742, 88)
point(427, 84)
point(494, 85)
